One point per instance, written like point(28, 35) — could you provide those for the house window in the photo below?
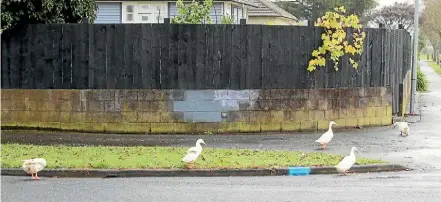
point(130, 13)
point(145, 6)
point(236, 14)
point(145, 18)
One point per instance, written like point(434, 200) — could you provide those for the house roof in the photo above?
point(266, 8)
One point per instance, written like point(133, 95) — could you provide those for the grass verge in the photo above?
point(435, 67)
point(163, 157)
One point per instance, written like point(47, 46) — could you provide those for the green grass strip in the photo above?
point(163, 157)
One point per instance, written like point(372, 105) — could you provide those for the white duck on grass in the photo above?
point(327, 136)
point(347, 162)
point(33, 166)
point(403, 127)
point(193, 153)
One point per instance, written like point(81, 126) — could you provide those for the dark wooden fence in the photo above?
point(167, 56)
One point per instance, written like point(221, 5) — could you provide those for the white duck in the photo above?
point(33, 166)
point(347, 162)
point(327, 136)
point(193, 152)
point(403, 127)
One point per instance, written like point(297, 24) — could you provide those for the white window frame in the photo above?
point(125, 12)
point(235, 13)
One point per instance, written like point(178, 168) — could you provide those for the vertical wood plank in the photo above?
point(99, 53)
point(117, 73)
point(200, 57)
point(5, 61)
point(190, 53)
point(68, 34)
point(48, 75)
point(295, 57)
point(76, 56)
point(209, 58)
point(113, 34)
point(57, 55)
point(183, 76)
point(21, 36)
point(266, 65)
point(217, 43)
point(306, 46)
point(273, 54)
point(137, 57)
point(243, 49)
point(150, 71)
point(40, 50)
point(126, 78)
point(254, 56)
point(164, 47)
point(235, 61)
point(173, 62)
point(226, 56)
point(82, 54)
point(156, 59)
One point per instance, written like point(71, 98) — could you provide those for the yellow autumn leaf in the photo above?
point(322, 62)
point(342, 9)
point(350, 49)
point(315, 53)
point(322, 50)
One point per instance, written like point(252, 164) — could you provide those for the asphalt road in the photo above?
point(390, 187)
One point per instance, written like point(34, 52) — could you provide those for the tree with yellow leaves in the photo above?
point(335, 39)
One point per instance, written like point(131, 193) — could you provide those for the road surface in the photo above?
point(389, 187)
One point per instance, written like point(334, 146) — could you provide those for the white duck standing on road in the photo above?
point(193, 153)
point(327, 136)
point(347, 162)
point(403, 127)
point(33, 166)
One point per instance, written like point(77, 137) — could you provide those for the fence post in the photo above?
point(400, 98)
point(400, 26)
point(310, 23)
point(243, 21)
point(381, 25)
point(166, 20)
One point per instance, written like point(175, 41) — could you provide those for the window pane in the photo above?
point(129, 8)
point(129, 17)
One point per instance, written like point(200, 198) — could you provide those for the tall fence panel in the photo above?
point(170, 56)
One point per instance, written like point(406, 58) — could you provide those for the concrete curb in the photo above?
point(290, 171)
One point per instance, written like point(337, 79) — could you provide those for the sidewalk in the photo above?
point(420, 150)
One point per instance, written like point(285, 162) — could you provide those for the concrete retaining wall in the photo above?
point(188, 111)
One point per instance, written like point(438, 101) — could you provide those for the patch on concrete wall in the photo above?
point(210, 105)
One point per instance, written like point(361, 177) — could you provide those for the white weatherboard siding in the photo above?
point(108, 13)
